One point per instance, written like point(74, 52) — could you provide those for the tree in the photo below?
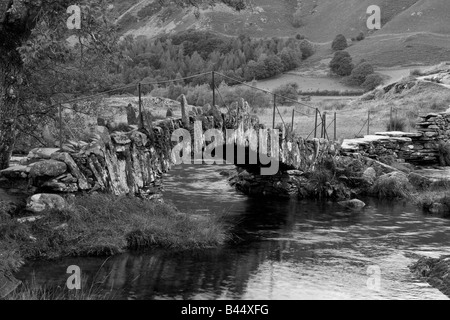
point(341, 64)
point(38, 64)
point(273, 66)
point(289, 59)
point(372, 81)
point(339, 43)
point(307, 49)
point(360, 36)
point(286, 93)
point(360, 73)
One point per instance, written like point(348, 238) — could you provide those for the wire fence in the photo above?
point(315, 123)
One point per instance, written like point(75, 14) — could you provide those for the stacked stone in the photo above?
point(393, 144)
point(283, 184)
point(304, 154)
point(419, 148)
point(117, 163)
point(435, 128)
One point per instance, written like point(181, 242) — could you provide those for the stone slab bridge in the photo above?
point(134, 162)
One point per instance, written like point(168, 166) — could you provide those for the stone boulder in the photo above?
point(48, 168)
point(42, 153)
point(41, 203)
point(369, 176)
point(16, 172)
point(354, 204)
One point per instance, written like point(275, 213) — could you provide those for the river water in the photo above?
point(287, 250)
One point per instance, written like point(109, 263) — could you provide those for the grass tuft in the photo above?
point(104, 225)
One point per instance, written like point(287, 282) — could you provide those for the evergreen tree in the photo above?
point(339, 43)
point(341, 64)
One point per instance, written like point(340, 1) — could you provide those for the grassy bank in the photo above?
point(102, 225)
point(33, 291)
point(435, 202)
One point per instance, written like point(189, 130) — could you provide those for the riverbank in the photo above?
point(435, 271)
point(102, 225)
point(346, 178)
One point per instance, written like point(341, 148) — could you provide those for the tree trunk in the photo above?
point(10, 82)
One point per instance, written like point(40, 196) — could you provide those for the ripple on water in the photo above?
point(293, 249)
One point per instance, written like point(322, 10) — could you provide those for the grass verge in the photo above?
point(103, 225)
point(437, 202)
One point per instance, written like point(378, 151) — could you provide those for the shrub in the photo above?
point(199, 95)
point(415, 72)
point(285, 93)
point(439, 104)
point(360, 73)
point(341, 64)
point(393, 185)
point(396, 124)
point(372, 81)
point(300, 37)
point(307, 49)
point(360, 36)
point(339, 43)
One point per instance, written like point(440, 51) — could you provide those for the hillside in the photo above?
point(413, 31)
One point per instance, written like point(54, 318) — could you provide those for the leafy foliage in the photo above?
point(287, 91)
point(372, 81)
point(192, 52)
point(341, 64)
point(360, 73)
point(396, 124)
point(339, 43)
point(40, 68)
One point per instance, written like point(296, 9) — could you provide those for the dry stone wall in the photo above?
point(133, 162)
point(420, 148)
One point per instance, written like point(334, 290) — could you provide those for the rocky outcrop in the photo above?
point(435, 271)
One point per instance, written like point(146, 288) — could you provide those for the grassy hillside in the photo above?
point(413, 31)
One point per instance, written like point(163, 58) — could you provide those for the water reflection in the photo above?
point(291, 250)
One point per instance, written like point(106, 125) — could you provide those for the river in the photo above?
point(288, 249)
